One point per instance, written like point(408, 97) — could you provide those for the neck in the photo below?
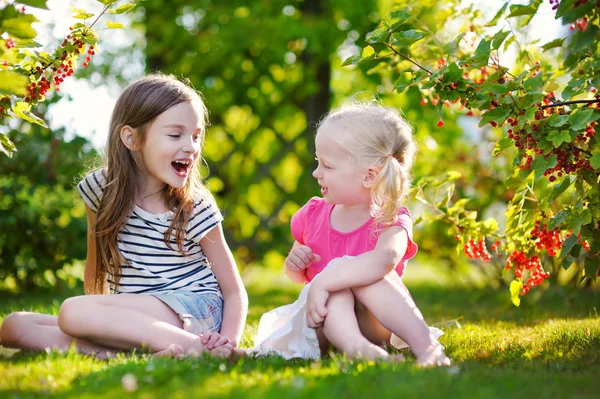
point(149, 189)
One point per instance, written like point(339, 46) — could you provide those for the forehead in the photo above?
point(185, 113)
point(329, 137)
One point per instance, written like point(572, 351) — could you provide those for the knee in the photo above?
point(340, 297)
point(71, 316)
point(13, 327)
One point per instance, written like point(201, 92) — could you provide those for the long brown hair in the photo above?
point(137, 107)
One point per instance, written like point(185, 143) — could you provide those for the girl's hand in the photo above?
point(316, 301)
point(212, 340)
point(300, 257)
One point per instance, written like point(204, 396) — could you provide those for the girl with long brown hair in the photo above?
point(155, 241)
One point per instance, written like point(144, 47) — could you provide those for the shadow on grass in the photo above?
point(439, 304)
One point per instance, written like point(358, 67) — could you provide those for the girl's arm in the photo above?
point(299, 258)
point(369, 267)
point(364, 269)
point(90, 260)
point(234, 294)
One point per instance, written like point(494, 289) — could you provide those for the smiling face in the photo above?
point(339, 174)
point(171, 147)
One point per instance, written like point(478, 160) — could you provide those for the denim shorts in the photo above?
point(200, 312)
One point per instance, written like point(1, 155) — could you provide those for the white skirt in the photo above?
point(283, 331)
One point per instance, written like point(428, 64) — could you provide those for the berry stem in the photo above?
point(558, 104)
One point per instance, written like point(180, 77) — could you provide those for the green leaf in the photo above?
point(568, 245)
point(517, 10)
point(114, 25)
point(407, 38)
point(580, 119)
point(451, 47)
point(502, 145)
point(558, 219)
point(540, 164)
point(595, 161)
point(497, 16)
point(80, 13)
point(379, 35)
point(23, 111)
point(35, 3)
point(20, 26)
point(515, 290)
point(396, 18)
point(6, 146)
point(483, 50)
point(498, 115)
point(499, 38)
point(13, 83)
point(533, 85)
point(591, 268)
point(557, 190)
point(122, 9)
point(557, 120)
point(453, 175)
point(553, 44)
point(558, 137)
point(366, 54)
point(107, 2)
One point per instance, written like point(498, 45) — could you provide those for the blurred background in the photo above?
point(268, 70)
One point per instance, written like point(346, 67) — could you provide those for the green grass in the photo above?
point(547, 348)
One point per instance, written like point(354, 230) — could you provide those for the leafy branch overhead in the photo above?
point(27, 73)
point(549, 122)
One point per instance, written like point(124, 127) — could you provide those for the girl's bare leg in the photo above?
point(34, 331)
point(126, 321)
point(342, 331)
point(390, 304)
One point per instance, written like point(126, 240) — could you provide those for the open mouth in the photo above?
point(324, 190)
point(181, 167)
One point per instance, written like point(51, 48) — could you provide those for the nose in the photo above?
point(191, 147)
point(316, 173)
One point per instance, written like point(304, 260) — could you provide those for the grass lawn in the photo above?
point(547, 348)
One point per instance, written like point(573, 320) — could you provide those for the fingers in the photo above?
point(213, 340)
point(221, 341)
point(300, 257)
point(315, 316)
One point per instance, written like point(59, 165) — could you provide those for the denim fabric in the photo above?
point(200, 312)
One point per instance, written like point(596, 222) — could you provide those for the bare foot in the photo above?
point(172, 351)
point(433, 356)
point(222, 352)
point(369, 351)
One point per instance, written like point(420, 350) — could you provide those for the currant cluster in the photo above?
point(581, 24)
point(10, 43)
point(566, 164)
point(532, 265)
point(477, 250)
point(58, 69)
point(550, 240)
point(37, 90)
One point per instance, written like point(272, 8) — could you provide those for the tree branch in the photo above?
point(558, 104)
point(408, 59)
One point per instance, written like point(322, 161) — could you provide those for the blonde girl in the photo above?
point(351, 247)
point(155, 241)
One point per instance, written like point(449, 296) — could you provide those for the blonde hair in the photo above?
point(378, 136)
point(137, 107)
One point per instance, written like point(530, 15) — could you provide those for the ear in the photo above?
point(370, 176)
point(128, 137)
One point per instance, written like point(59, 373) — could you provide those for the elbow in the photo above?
point(389, 259)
